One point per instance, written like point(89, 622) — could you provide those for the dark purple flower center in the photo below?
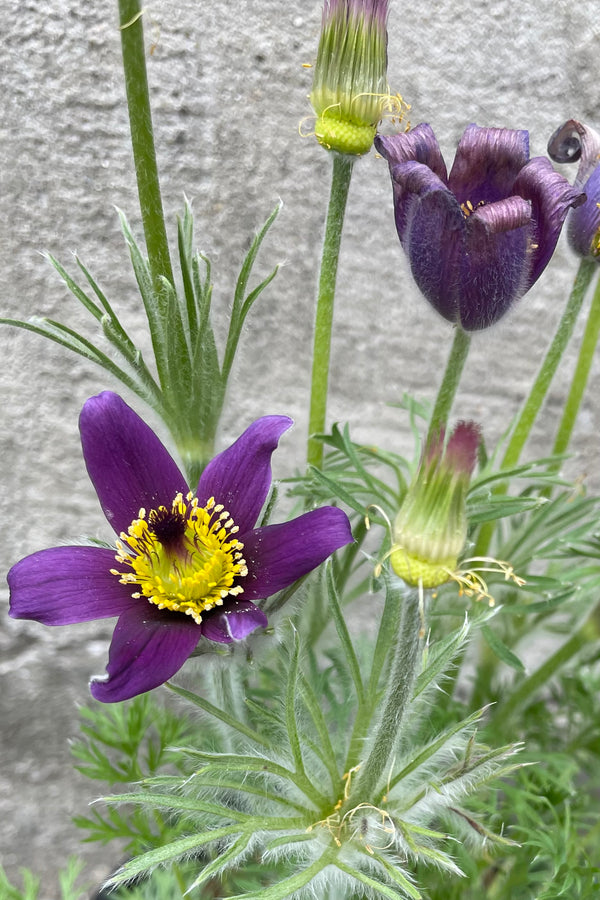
point(168, 525)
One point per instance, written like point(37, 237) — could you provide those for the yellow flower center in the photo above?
point(185, 558)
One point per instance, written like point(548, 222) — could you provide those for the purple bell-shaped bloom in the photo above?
point(575, 142)
point(478, 238)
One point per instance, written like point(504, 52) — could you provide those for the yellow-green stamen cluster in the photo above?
point(350, 91)
point(186, 558)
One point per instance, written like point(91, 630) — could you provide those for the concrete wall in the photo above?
point(229, 89)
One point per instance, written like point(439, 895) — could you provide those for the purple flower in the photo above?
point(185, 565)
point(477, 239)
point(574, 142)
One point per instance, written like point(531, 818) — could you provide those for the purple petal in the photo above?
point(575, 141)
point(584, 222)
point(419, 145)
point(233, 623)
point(551, 197)
point(503, 216)
point(496, 265)
point(240, 477)
point(128, 465)
point(278, 555)
point(66, 585)
point(590, 156)
point(148, 646)
point(432, 230)
point(486, 164)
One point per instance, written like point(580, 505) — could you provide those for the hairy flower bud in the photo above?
point(350, 89)
point(430, 530)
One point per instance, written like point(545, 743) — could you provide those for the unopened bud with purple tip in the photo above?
point(430, 530)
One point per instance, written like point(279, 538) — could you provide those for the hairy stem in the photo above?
point(340, 183)
point(540, 387)
point(142, 139)
point(450, 381)
point(581, 375)
point(549, 366)
point(402, 678)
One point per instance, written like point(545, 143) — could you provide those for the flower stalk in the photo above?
point(142, 139)
point(581, 375)
point(340, 184)
point(452, 375)
point(402, 678)
point(548, 369)
point(540, 387)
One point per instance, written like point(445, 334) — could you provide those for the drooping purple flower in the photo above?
point(477, 239)
point(185, 565)
point(575, 142)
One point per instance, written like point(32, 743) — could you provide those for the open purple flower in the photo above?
point(576, 142)
point(185, 565)
point(477, 239)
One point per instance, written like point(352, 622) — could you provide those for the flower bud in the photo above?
point(430, 530)
point(350, 89)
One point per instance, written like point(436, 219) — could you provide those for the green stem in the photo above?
point(549, 366)
point(540, 388)
point(450, 381)
point(589, 631)
point(402, 677)
point(142, 139)
point(340, 183)
point(582, 372)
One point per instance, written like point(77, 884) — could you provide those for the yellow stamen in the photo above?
point(185, 559)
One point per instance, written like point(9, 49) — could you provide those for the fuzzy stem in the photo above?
point(589, 631)
point(402, 677)
point(549, 366)
point(582, 372)
point(142, 139)
point(540, 387)
point(340, 183)
point(450, 381)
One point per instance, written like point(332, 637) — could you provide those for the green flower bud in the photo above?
point(430, 530)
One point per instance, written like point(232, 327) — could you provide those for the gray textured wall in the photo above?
point(229, 89)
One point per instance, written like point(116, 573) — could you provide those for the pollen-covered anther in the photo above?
point(472, 584)
point(183, 558)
